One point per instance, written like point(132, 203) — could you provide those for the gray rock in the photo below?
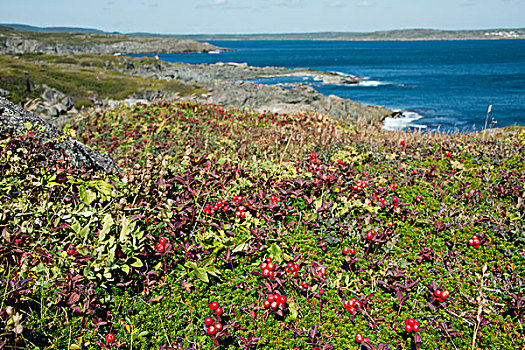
point(4, 92)
point(13, 120)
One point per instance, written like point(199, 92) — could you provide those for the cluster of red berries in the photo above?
point(347, 250)
point(316, 181)
point(110, 338)
point(315, 168)
point(208, 209)
point(360, 185)
point(161, 246)
point(474, 241)
point(268, 268)
point(71, 251)
point(370, 234)
point(441, 295)
point(351, 304)
point(240, 212)
point(312, 156)
point(237, 199)
point(274, 301)
point(292, 268)
point(419, 198)
point(275, 200)
point(321, 272)
point(304, 284)
point(411, 325)
point(393, 187)
point(212, 328)
point(382, 201)
point(395, 201)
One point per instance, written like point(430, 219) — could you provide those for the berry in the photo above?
point(161, 248)
point(268, 260)
point(110, 338)
point(211, 330)
point(359, 338)
point(445, 294)
point(437, 293)
point(218, 326)
point(408, 328)
point(321, 291)
point(71, 251)
point(352, 251)
point(163, 241)
point(208, 321)
point(415, 328)
point(219, 311)
point(282, 299)
point(266, 304)
point(346, 250)
point(214, 305)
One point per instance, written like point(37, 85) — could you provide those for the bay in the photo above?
point(436, 84)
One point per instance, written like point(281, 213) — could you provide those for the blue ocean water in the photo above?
point(445, 84)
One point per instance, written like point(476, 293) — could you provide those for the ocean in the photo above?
point(436, 84)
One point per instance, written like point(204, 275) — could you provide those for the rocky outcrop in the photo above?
point(299, 99)
point(21, 46)
point(15, 120)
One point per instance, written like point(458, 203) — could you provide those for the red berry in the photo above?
point(369, 235)
point(211, 330)
point(445, 294)
point(274, 305)
point(346, 250)
point(208, 321)
point(71, 251)
point(218, 311)
point(110, 338)
point(271, 274)
point(474, 237)
point(266, 273)
point(408, 328)
point(214, 305)
point(359, 338)
point(437, 293)
point(352, 251)
point(415, 328)
point(264, 266)
point(282, 299)
point(218, 326)
point(163, 240)
point(271, 266)
point(160, 248)
point(268, 260)
point(321, 291)
point(270, 298)
point(266, 304)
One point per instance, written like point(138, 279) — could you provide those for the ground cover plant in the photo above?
point(82, 77)
point(233, 229)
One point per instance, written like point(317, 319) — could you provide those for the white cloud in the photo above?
point(290, 3)
point(336, 4)
point(219, 2)
point(365, 4)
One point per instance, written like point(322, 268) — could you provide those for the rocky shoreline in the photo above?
point(227, 84)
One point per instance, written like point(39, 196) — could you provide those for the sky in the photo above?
point(264, 16)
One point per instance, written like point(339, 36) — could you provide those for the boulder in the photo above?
point(15, 120)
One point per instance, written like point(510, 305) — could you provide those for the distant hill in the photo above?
point(399, 34)
point(28, 28)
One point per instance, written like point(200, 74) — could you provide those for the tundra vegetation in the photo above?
point(230, 229)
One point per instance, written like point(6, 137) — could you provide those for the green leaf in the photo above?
point(190, 265)
point(137, 263)
point(276, 252)
point(125, 268)
point(108, 222)
point(202, 274)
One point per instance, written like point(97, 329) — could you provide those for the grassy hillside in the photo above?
point(208, 195)
point(82, 77)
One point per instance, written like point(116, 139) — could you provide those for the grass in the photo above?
point(335, 182)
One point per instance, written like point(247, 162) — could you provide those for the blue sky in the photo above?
point(264, 16)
